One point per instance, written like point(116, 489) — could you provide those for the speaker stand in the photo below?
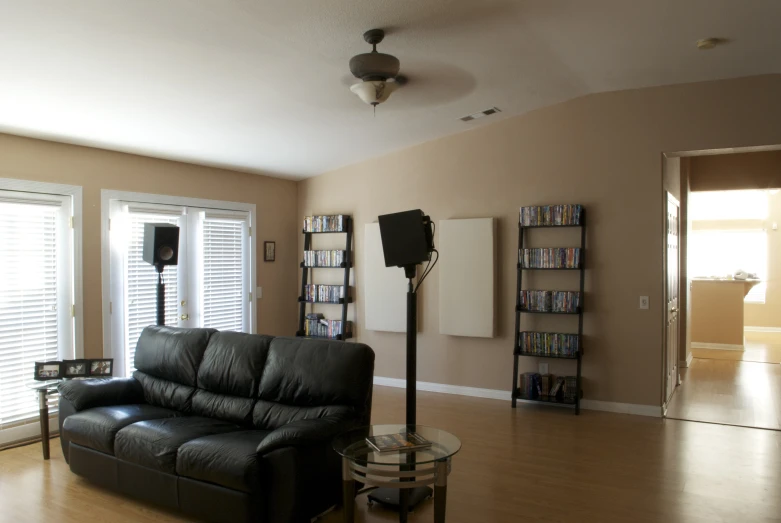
point(391, 497)
point(160, 296)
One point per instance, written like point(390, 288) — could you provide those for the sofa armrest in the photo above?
point(305, 432)
point(101, 392)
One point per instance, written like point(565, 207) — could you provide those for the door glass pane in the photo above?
point(223, 298)
point(141, 285)
point(28, 302)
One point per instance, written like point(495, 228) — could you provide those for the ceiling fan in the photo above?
point(378, 72)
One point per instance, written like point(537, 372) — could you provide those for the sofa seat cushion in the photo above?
point(229, 460)
point(96, 428)
point(154, 443)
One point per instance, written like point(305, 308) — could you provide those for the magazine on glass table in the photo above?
point(398, 442)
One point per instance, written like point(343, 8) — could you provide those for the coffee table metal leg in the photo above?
point(43, 412)
point(348, 492)
point(440, 491)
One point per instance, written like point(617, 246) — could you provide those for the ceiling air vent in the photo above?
point(480, 114)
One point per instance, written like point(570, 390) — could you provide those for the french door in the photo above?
point(210, 286)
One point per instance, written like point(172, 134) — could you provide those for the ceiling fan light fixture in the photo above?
point(377, 71)
point(374, 92)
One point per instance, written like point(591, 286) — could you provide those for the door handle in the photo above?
point(185, 317)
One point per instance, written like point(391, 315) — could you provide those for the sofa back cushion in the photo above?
point(311, 378)
point(229, 376)
point(167, 361)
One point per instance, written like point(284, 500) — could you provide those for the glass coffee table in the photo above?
point(403, 470)
point(44, 390)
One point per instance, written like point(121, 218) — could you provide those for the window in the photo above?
point(728, 235)
point(37, 296)
point(210, 287)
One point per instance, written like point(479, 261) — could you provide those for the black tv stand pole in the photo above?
point(412, 355)
point(405, 499)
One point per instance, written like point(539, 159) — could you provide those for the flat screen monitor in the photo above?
point(407, 238)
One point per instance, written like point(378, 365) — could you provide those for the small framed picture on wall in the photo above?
point(269, 251)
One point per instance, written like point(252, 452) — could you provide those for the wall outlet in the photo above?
point(543, 368)
point(644, 302)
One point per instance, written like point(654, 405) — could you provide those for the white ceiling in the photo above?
point(259, 85)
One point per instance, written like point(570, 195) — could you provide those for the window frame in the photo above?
point(71, 196)
point(148, 200)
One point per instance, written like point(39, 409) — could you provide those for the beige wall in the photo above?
point(722, 172)
point(95, 169)
point(604, 151)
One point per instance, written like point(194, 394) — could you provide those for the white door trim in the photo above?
point(109, 195)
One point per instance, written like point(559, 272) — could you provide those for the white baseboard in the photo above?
point(688, 361)
point(761, 329)
point(27, 431)
point(606, 406)
point(717, 346)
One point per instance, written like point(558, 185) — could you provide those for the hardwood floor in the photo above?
point(732, 392)
point(532, 464)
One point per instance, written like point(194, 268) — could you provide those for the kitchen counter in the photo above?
point(717, 312)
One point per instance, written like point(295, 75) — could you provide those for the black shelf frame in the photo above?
point(306, 278)
point(517, 352)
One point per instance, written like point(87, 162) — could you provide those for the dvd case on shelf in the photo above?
point(330, 223)
point(551, 215)
point(322, 328)
point(323, 293)
point(550, 258)
point(549, 343)
point(550, 301)
point(323, 258)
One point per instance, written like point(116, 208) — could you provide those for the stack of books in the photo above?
point(316, 325)
point(323, 258)
point(332, 223)
point(547, 387)
point(549, 343)
point(551, 258)
point(551, 215)
point(550, 301)
point(323, 293)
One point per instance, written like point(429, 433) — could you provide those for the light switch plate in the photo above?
point(259, 293)
point(543, 368)
point(644, 302)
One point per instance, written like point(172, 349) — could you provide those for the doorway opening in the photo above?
point(730, 339)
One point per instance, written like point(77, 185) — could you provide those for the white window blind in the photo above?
point(223, 292)
point(141, 284)
point(29, 323)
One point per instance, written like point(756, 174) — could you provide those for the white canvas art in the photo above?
point(466, 277)
point(385, 299)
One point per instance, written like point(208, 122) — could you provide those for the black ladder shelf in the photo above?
point(346, 265)
point(517, 350)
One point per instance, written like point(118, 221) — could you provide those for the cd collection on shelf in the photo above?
point(550, 258)
point(549, 343)
point(323, 293)
point(547, 387)
point(317, 326)
point(332, 223)
point(551, 215)
point(550, 301)
point(323, 258)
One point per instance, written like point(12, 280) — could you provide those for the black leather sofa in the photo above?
point(222, 426)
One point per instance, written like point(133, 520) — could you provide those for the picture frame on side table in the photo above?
point(101, 367)
point(48, 370)
point(75, 368)
point(269, 251)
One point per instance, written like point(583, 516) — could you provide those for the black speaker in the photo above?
point(161, 244)
point(407, 238)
